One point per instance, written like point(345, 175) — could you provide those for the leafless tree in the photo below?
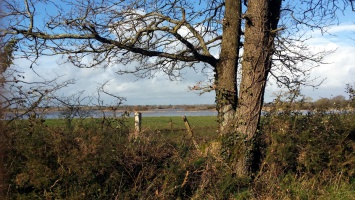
point(169, 35)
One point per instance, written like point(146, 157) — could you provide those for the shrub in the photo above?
point(303, 157)
point(307, 155)
point(89, 161)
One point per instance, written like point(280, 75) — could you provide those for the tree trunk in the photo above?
point(226, 69)
point(261, 21)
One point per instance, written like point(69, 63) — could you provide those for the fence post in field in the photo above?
point(137, 124)
point(190, 133)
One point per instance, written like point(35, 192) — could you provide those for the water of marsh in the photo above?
point(106, 113)
point(147, 113)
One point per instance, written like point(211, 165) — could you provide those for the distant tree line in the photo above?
point(338, 102)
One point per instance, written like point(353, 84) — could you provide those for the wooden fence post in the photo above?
point(137, 124)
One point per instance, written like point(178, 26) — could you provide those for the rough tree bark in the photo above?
point(226, 68)
point(261, 23)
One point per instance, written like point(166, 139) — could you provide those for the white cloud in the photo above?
point(340, 69)
point(159, 90)
point(342, 28)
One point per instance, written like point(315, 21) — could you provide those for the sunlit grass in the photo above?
point(199, 124)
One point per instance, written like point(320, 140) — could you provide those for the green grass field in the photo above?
point(157, 122)
point(199, 124)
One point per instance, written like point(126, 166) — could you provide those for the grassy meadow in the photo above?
point(303, 157)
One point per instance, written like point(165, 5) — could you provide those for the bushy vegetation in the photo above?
point(89, 160)
point(305, 156)
point(335, 103)
point(308, 156)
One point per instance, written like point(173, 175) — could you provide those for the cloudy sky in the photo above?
point(159, 90)
point(340, 67)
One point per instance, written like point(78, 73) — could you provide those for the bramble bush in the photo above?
point(307, 155)
point(90, 161)
point(304, 156)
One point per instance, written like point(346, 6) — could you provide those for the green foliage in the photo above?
point(307, 156)
point(303, 157)
point(350, 89)
point(94, 159)
point(310, 144)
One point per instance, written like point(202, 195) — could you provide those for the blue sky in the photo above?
point(159, 90)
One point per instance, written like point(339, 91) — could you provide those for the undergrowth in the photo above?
point(304, 156)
